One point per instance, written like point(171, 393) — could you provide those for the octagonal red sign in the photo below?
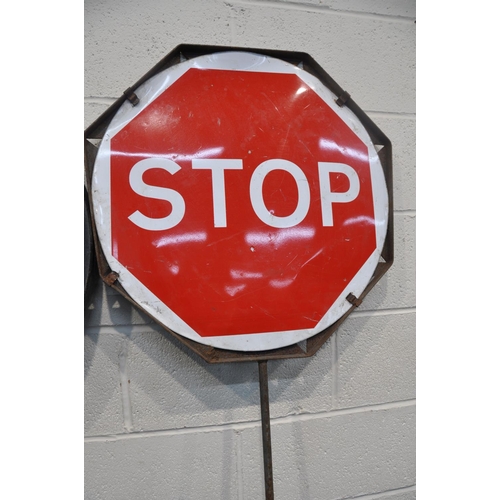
point(238, 203)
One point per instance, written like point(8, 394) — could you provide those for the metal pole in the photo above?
point(266, 430)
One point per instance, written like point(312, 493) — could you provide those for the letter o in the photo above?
point(257, 198)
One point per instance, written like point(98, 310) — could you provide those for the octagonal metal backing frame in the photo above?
point(95, 132)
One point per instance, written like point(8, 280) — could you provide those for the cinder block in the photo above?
point(94, 110)
point(396, 289)
point(391, 495)
point(108, 307)
point(299, 386)
point(371, 58)
point(124, 40)
point(404, 8)
point(103, 400)
point(402, 134)
point(339, 456)
point(376, 360)
point(181, 466)
point(171, 387)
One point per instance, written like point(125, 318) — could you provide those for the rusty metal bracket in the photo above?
point(343, 98)
point(352, 299)
point(110, 278)
point(131, 96)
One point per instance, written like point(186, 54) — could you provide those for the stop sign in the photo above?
point(238, 203)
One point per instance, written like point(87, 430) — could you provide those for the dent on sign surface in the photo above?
point(238, 203)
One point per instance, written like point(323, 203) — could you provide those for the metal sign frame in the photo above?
point(89, 257)
point(95, 132)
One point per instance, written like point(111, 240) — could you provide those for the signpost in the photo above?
point(242, 200)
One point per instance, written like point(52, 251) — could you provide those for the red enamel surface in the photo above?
point(247, 277)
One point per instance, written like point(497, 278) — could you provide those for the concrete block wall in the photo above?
point(159, 421)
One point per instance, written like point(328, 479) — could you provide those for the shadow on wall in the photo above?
point(149, 342)
point(170, 386)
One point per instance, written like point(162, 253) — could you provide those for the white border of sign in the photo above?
point(147, 93)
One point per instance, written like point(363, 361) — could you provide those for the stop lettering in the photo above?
point(217, 167)
point(239, 204)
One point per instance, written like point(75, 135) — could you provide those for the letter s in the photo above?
point(158, 193)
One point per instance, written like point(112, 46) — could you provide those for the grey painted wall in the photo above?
point(159, 421)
